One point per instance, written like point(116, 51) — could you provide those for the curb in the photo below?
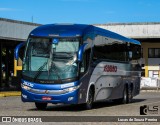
point(11, 93)
point(150, 89)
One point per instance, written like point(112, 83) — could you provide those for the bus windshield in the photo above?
point(51, 59)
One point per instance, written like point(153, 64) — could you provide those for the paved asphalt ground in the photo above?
point(13, 106)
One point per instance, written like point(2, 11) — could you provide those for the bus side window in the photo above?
point(136, 50)
point(85, 61)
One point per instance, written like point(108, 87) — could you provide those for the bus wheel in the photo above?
point(89, 102)
point(127, 95)
point(41, 106)
point(130, 95)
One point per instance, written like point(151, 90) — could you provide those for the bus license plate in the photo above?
point(46, 98)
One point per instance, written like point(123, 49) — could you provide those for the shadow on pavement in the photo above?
point(81, 107)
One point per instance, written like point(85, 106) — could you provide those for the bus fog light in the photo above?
point(70, 98)
point(24, 96)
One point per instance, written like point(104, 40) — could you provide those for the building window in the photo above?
point(154, 53)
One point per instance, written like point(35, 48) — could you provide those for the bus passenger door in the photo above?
point(85, 74)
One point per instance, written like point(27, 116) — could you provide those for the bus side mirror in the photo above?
point(16, 56)
point(16, 51)
point(81, 51)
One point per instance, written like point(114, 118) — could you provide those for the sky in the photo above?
point(81, 11)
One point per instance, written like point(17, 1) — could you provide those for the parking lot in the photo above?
point(13, 106)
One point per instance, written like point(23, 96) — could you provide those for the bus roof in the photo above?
point(114, 35)
point(72, 30)
point(64, 30)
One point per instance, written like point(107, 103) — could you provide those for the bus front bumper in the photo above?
point(67, 98)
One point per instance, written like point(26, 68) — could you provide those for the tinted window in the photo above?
point(111, 52)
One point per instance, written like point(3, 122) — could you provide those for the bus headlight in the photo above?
point(71, 89)
point(25, 87)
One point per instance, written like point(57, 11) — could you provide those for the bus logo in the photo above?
point(28, 84)
point(110, 68)
point(46, 92)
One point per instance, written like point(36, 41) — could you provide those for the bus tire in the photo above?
point(40, 106)
point(89, 103)
point(130, 94)
point(127, 95)
point(131, 89)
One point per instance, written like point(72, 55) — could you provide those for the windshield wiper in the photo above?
point(64, 54)
point(55, 70)
point(39, 71)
